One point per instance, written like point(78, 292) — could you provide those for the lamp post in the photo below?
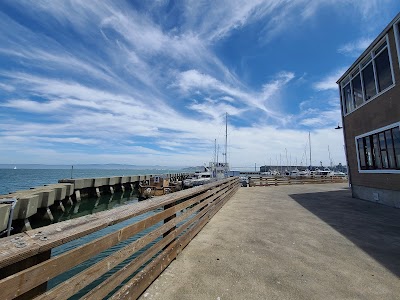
point(345, 153)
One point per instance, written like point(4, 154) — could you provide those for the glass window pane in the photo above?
point(383, 70)
point(361, 153)
point(382, 143)
point(377, 152)
point(347, 98)
point(396, 142)
point(357, 91)
point(390, 149)
point(369, 82)
point(368, 152)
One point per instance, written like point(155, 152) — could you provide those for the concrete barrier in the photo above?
point(135, 178)
point(4, 216)
point(125, 179)
point(78, 183)
point(46, 196)
point(115, 180)
point(101, 181)
point(26, 206)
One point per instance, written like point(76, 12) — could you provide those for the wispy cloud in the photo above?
point(149, 82)
point(329, 81)
point(355, 48)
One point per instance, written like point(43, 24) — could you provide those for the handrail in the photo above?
point(13, 203)
point(182, 212)
point(274, 181)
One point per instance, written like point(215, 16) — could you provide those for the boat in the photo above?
point(158, 186)
point(214, 171)
point(15, 167)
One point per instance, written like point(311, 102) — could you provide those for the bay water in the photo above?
point(12, 180)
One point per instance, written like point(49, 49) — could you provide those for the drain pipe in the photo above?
point(13, 203)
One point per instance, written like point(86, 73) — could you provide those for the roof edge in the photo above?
point(376, 40)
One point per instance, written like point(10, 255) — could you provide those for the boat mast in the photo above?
point(226, 138)
point(309, 141)
point(215, 152)
point(330, 160)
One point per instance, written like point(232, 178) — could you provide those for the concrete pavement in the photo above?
point(290, 242)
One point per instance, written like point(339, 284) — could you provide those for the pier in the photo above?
point(216, 241)
point(289, 242)
point(44, 199)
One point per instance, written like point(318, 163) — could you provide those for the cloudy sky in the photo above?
point(149, 82)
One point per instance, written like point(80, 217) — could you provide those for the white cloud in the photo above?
point(329, 82)
point(149, 88)
point(355, 48)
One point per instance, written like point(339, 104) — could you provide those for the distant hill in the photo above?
point(90, 167)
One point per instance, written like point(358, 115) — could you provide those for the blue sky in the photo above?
point(149, 82)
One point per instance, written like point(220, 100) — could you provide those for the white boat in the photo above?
point(15, 167)
point(214, 172)
point(304, 173)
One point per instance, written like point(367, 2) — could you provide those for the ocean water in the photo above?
point(19, 179)
point(23, 179)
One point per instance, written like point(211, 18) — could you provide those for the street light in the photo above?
point(338, 126)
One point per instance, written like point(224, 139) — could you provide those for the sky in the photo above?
point(150, 82)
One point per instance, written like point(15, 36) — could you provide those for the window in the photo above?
point(396, 144)
point(361, 153)
point(369, 82)
point(347, 98)
point(383, 71)
point(390, 149)
point(375, 77)
point(357, 91)
point(379, 150)
point(368, 152)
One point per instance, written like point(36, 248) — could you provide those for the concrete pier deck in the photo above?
point(290, 242)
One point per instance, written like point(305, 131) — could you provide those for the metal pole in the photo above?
point(13, 203)
point(72, 169)
point(226, 138)
point(309, 141)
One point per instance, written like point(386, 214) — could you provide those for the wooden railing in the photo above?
point(274, 181)
point(174, 219)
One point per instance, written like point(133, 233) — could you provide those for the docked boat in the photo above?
point(158, 186)
point(214, 172)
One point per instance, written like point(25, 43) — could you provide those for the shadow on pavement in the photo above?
point(374, 228)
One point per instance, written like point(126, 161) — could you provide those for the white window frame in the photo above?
point(379, 171)
point(361, 68)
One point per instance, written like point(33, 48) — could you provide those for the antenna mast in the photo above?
point(215, 151)
point(309, 141)
point(226, 138)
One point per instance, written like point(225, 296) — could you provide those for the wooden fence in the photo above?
point(274, 181)
point(26, 264)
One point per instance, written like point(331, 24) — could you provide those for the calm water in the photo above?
point(22, 179)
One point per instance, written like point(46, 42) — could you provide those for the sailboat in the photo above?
point(15, 167)
point(215, 170)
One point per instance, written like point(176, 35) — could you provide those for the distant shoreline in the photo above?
point(95, 167)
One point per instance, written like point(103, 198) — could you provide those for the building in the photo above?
point(370, 102)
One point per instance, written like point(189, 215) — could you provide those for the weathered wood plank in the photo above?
point(79, 281)
point(137, 285)
point(63, 232)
